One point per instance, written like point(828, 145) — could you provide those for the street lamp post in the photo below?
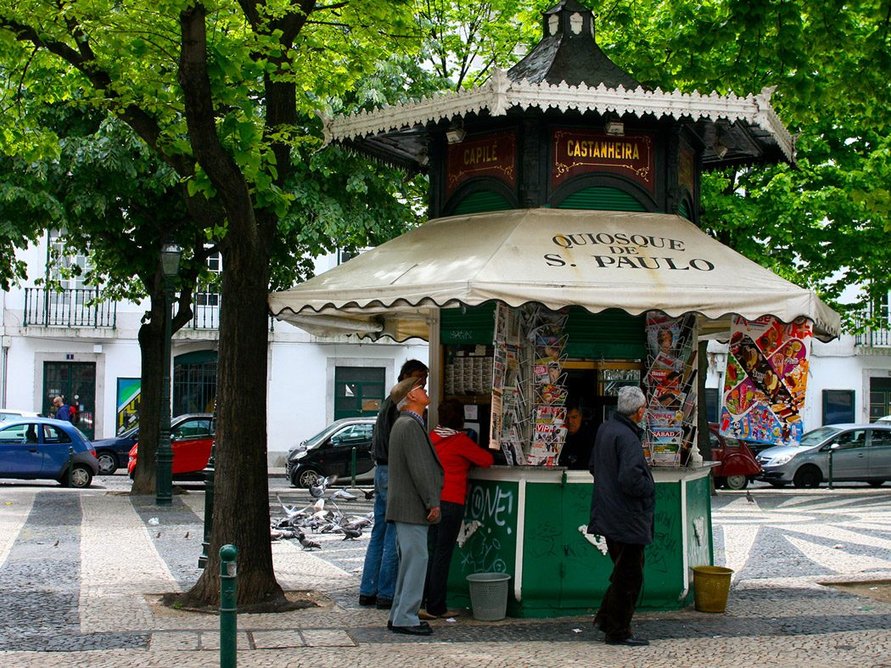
point(170, 255)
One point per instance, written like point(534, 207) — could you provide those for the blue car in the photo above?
point(113, 453)
point(43, 448)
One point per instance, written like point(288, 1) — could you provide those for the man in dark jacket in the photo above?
point(416, 478)
point(622, 512)
point(381, 563)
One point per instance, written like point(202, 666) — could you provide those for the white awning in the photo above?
point(555, 257)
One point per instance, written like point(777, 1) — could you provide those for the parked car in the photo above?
point(38, 448)
point(113, 453)
point(191, 443)
point(9, 414)
point(330, 452)
point(858, 452)
point(884, 420)
point(737, 465)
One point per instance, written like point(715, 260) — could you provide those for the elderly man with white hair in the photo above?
point(416, 478)
point(624, 499)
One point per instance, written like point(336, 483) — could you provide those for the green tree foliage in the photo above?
point(225, 96)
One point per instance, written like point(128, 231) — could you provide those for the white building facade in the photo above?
point(62, 343)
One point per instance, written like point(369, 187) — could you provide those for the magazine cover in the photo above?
point(670, 385)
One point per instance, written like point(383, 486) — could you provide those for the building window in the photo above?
point(838, 406)
point(879, 398)
point(358, 391)
point(195, 382)
point(208, 294)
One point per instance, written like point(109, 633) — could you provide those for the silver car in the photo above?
point(846, 452)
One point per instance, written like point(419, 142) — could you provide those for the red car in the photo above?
point(737, 463)
point(191, 448)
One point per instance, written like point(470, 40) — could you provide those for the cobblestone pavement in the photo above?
point(81, 572)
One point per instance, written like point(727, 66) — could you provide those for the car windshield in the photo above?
point(817, 436)
point(313, 441)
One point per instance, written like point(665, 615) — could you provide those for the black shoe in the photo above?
point(423, 625)
point(413, 630)
point(384, 604)
point(628, 642)
point(367, 600)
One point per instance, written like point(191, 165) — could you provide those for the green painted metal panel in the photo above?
point(490, 543)
point(564, 570)
point(664, 557)
point(473, 324)
point(543, 552)
point(700, 546)
point(602, 198)
point(480, 201)
point(612, 334)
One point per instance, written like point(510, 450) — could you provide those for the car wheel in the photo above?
point(108, 463)
point(736, 482)
point(80, 477)
point(875, 483)
point(307, 478)
point(807, 476)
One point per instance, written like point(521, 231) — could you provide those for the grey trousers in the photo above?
point(411, 545)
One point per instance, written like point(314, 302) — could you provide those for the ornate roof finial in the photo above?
point(568, 52)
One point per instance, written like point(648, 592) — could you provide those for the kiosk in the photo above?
point(561, 260)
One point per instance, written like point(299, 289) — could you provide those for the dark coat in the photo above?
point(416, 476)
point(576, 452)
point(624, 496)
point(380, 435)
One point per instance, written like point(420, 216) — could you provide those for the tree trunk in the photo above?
point(151, 351)
point(241, 502)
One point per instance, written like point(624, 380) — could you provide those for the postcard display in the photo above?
point(528, 393)
point(670, 387)
point(765, 381)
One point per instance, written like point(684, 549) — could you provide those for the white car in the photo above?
point(884, 420)
point(7, 414)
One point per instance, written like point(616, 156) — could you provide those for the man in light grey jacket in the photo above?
point(413, 503)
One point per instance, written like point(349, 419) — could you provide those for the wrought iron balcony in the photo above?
point(874, 338)
point(74, 307)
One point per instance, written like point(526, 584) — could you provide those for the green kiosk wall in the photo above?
point(531, 524)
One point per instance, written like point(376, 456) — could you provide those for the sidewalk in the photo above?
point(81, 573)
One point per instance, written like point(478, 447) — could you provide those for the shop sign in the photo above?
point(576, 152)
point(491, 155)
point(624, 250)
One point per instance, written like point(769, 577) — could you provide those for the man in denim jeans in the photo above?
point(381, 563)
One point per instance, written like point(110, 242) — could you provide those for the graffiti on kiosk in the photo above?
point(483, 555)
point(491, 506)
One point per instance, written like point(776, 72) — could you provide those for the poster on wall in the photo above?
point(670, 384)
point(128, 400)
point(766, 379)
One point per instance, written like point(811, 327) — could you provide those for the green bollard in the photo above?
point(353, 465)
point(208, 508)
point(831, 449)
point(228, 606)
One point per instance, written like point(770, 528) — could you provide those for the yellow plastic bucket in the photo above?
point(711, 585)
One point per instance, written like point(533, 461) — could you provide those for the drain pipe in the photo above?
point(4, 364)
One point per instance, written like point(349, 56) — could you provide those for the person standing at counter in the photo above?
point(576, 451)
point(622, 507)
point(381, 563)
point(416, 478)
point(457, 453)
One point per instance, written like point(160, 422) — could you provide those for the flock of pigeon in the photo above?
point(320, 517)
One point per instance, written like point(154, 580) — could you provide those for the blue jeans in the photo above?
point(381, 560)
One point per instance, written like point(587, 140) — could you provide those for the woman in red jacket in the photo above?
point(457, 453)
